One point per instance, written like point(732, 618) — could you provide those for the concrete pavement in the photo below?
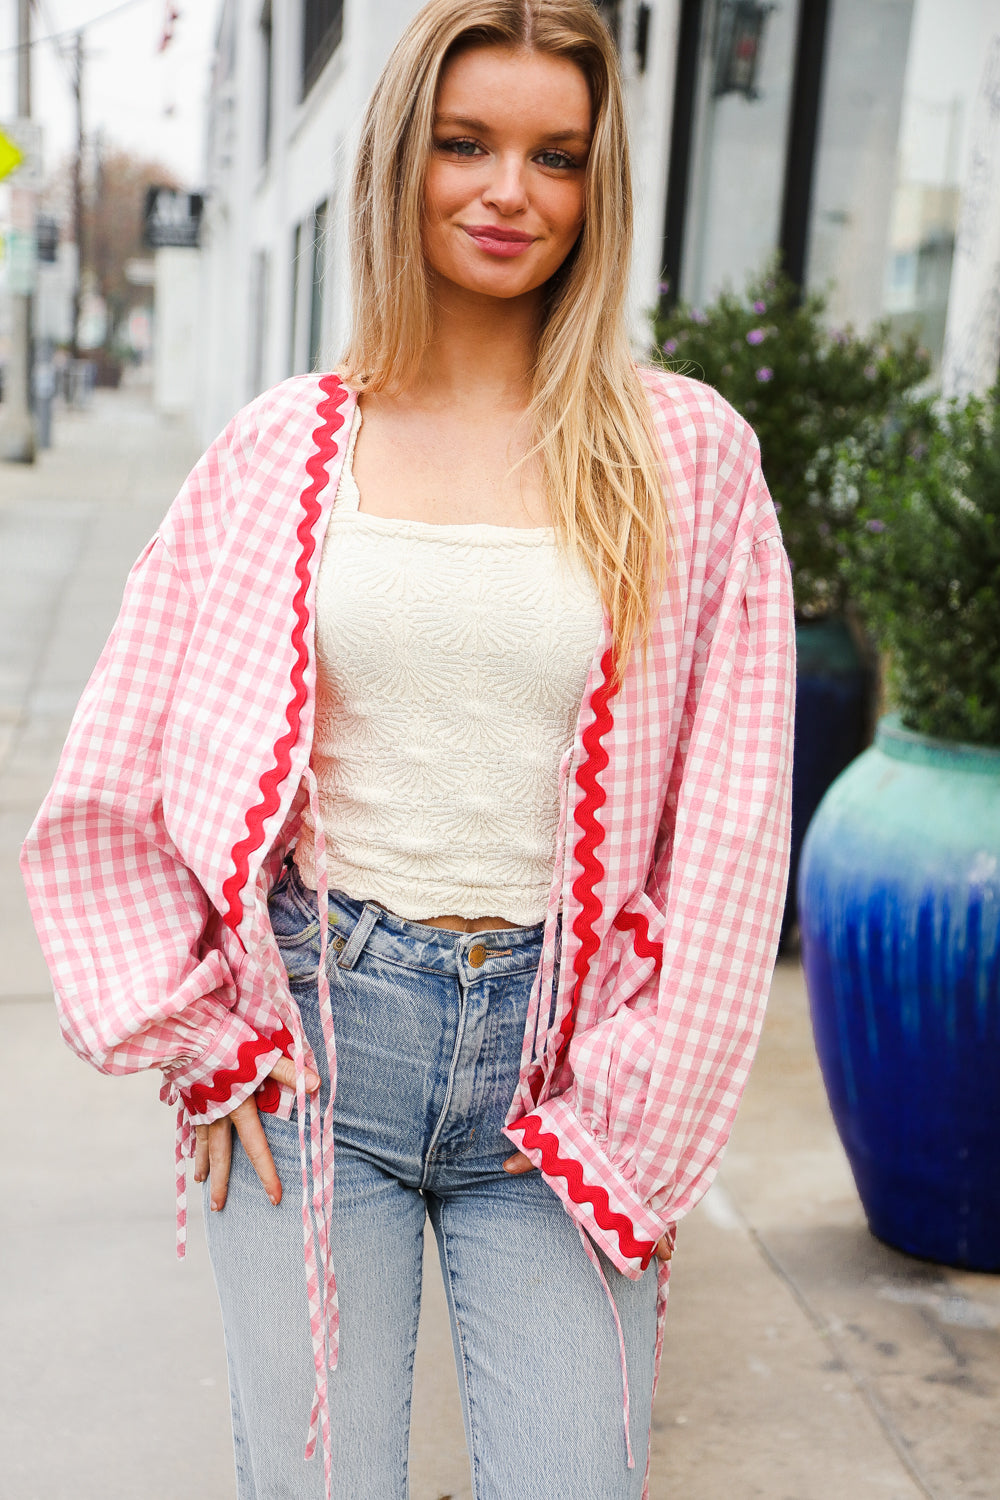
point(804, 1360)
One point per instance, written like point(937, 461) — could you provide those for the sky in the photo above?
point(148, 102)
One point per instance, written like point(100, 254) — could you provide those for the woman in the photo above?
point(431, 798)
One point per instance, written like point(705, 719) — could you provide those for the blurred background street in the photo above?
point(804, 1360)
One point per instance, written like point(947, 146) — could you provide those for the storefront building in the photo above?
point(836, 133)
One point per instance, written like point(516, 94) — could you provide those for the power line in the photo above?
point(60, 36)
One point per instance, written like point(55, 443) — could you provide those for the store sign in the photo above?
point(172, 219)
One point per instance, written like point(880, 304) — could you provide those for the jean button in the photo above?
point(477, 956)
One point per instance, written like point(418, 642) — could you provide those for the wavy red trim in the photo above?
point(270, 781)
point(200, 1095)
point(554, 1165)
point(268, 1094)
point(637, 923)
point(592, 836)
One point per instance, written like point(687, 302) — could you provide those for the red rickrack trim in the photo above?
point(592, 871)
point(270, 781)
point(200, 1095)
point(268, 1095)
point(637, 923)
point(554, 1165)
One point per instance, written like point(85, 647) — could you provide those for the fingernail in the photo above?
point(215, 1207)
point(274, 1199)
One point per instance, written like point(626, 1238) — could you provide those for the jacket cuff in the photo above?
point(593, 1191)
point(236, 1061)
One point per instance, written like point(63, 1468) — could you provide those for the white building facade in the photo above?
point(756, 128)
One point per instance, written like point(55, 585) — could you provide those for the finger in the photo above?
point(517, 1164)
point(201, 1153)
point(251, 1133)
point(220, 1154)
point(664, 1250)
point(284, 1072)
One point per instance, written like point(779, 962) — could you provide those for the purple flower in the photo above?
point(756, 336)
point(759, 306)
point(777, 507)
point(663, 288)
point(874, 525)
point(670, 347)
point(697, 316)
point(764, 374)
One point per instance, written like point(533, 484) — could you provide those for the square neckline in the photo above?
point(347, 503)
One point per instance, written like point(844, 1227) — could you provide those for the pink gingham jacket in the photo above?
point(187, 767)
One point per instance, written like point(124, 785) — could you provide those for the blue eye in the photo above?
point(556, 160)
point(463, 147)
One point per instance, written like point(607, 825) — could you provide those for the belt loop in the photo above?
point(355, 945)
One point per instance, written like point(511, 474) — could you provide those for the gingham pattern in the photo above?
point(676, 875)
point(182, 785)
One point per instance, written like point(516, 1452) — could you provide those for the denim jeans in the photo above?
point(429, 1026)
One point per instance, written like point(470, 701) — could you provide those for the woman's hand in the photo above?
point(519, 1163)
point(214, 1150)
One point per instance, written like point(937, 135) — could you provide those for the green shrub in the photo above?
point(804, 390)
point(921, 558)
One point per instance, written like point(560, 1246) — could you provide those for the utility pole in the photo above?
point(78, 191)
point(17, 428)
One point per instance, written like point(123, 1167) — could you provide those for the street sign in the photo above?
point(11, 155)
point(21, 152)
point(172, 219)
point(20, 262)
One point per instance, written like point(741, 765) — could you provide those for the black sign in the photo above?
point(172, 219)
point(47, 235)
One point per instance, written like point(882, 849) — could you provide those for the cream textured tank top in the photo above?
point(451, 662)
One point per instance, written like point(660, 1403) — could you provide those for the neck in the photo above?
point(482, 350)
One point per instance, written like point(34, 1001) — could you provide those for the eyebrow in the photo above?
point(483, 129)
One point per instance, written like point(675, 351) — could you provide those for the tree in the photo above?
point(113, 231)
point(112, 227)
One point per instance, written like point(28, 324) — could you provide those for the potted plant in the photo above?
point(899, 884)
point(805, 389)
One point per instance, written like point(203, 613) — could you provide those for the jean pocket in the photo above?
point(296, 934)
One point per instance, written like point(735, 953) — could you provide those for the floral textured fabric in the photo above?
point(186, 770)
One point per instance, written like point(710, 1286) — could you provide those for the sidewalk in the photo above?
point(803, 1360)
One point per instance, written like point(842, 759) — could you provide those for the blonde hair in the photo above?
point(589, 413)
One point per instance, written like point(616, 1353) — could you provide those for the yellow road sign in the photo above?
point(11, 156)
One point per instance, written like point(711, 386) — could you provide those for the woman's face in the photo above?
point(504, 196)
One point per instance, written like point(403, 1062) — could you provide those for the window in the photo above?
point(260, 278)
point(309, 286)
point(322, 30)
point(318, 290)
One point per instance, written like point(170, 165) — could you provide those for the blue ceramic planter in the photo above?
point(833, 693)
point(899, 908)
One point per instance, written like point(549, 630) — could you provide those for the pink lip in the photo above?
point(497, 241)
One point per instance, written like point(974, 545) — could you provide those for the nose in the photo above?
point(506, 190)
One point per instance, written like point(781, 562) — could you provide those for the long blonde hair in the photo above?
point(589, 413)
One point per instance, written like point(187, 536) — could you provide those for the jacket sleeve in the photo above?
point(634, 1139)
point(134, 947)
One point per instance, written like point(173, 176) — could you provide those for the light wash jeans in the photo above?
point(428, 1049)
